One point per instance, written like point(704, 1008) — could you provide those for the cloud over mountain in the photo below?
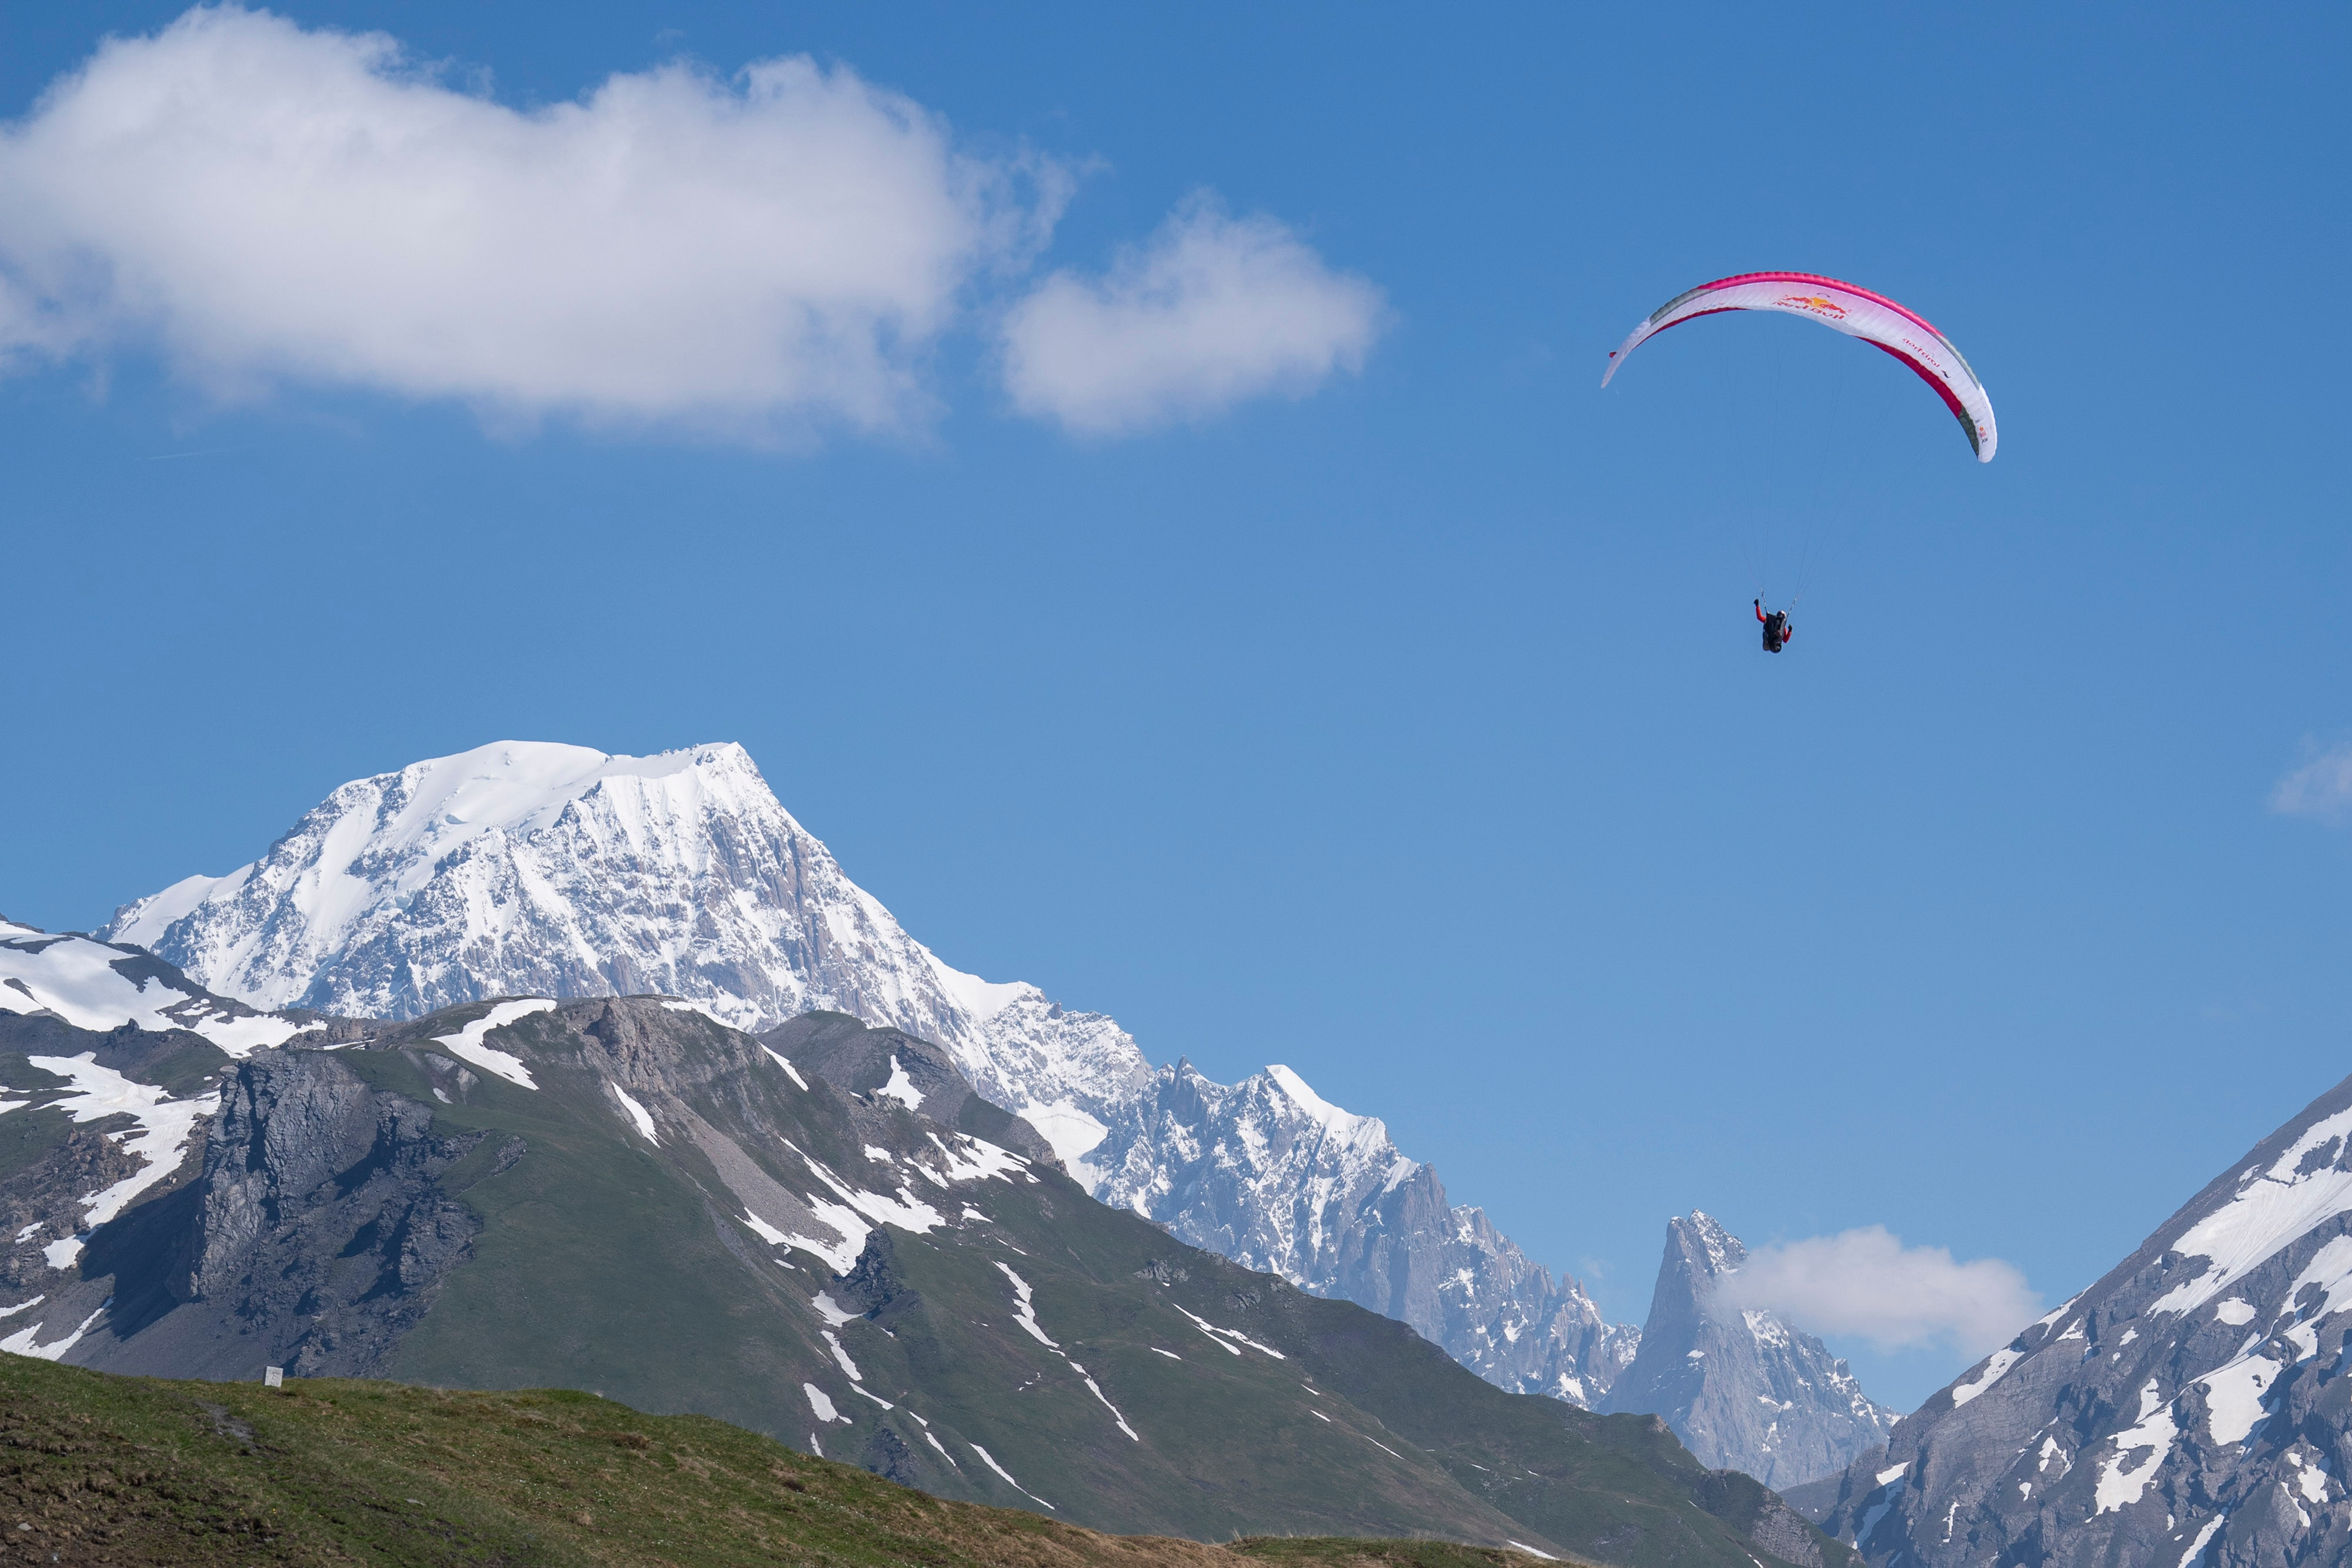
point(1867, 1283)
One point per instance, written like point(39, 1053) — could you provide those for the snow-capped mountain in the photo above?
point(2192, 1410)
point(1741, 1387)
point(534, 869)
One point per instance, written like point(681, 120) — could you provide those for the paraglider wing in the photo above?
point(1858, 313)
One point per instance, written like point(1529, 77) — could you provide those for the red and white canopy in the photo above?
point(1858, 313)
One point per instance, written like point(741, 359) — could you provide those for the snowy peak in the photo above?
point(1699, 1253)
point(1321, 1112)
point(527, 868)
point(1270, 1134)
point(391, 829)
point(453, 838)
point(2299, 1178)
point(1708, 1251)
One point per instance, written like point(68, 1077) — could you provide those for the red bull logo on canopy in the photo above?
point(1813, 303)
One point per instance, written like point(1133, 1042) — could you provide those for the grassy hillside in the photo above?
point(1281, 1403)
point(101, 1469)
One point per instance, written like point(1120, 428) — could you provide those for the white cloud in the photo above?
point(1211, 311)
point(264, 202)
point(1867, 1283)
point(2321, 788)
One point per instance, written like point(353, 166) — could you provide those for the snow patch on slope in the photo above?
point(637, 1113)
point(980, 998)
point(2121, 1483)
point(1073, 1133)
point(1024, 1311)
point(24, 1341)
point(468, 1044)
point(1995, 1367)
point(902, 1088)
point(990, 1461)
point(2233, 1396)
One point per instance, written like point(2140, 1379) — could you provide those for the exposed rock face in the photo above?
point(44, 1200)
point(1783, 1533)
point(315, 1237)
point(1272, 1175)
point(1741, 1388)
point(101, 1117)
point(2192, 1408)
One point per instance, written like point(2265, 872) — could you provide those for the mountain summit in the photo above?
point(527, 868)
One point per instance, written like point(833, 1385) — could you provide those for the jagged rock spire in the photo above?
point(1742, 1388)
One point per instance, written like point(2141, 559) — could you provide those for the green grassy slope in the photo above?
point(610, 1264)
point(1299, 1391)
point(118, 1471)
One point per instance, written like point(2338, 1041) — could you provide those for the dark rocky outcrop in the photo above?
point(887, 1456)
point(314, 1237)
point(43, 1200)
point(876, 1286)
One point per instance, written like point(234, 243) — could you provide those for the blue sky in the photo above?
point(1389, 709)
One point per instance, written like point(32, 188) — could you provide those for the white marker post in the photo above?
point(273, 1377)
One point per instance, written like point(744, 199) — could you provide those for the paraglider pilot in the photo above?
point(1777, 630)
